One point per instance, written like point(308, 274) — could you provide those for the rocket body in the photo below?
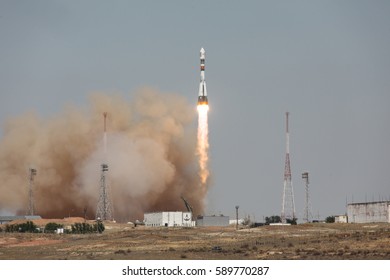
point(202, 96)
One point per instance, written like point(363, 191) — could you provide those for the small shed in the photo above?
point(341, 219)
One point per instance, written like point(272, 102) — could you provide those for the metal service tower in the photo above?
point(31, 206)
point(104, 210)
point(288, 206)
point(306, 216)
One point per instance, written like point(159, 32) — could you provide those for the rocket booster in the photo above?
point(202, 96)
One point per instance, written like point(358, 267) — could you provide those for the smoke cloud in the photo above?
point(151, 153)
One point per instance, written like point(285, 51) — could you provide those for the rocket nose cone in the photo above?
point(202, 51)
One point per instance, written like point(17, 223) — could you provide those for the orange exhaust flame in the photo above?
point(203, 143)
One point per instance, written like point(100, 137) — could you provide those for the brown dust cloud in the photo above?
point(151, 153)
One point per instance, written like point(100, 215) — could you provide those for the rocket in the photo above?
point(202, 96)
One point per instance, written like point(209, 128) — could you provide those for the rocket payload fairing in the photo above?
point(202, 96)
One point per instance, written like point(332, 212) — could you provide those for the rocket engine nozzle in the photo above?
point(202, 100)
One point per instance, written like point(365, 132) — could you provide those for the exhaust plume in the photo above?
point(151, 152)
point(203, 145)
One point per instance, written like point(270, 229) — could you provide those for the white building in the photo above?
point(168, 219)
point(233, 222)
point(369, 212)
point(341, 219)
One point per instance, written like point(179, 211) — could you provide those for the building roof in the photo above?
point(367, 203)
point(13, 218)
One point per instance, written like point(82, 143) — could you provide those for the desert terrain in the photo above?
point(124, 241)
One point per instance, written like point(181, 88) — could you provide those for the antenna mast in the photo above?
point(288, 206)
point(104, 209)
point(31, 207)
point(305, 177)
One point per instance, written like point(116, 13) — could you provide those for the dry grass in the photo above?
point(121, 241)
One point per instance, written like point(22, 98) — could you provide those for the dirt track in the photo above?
point(121, 241)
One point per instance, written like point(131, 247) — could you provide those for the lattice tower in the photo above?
point(288, 206)
point(31, 206)
point(307, 212)
point(104, 209)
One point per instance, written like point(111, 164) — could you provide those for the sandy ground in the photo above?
point(123, 241)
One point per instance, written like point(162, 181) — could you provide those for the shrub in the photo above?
point(25, 227)
point(292, 221)
point(52, 227)
point(330, 219)
point(100, 227)
point(83, 228)
point(272, 219)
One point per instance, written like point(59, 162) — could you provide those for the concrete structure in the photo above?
point(369, 212)
point(7, 219)
point(210, 221)
point(233, 222)
point(168, 219)
point(341, 219)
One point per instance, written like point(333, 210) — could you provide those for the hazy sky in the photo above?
point(326, 62)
